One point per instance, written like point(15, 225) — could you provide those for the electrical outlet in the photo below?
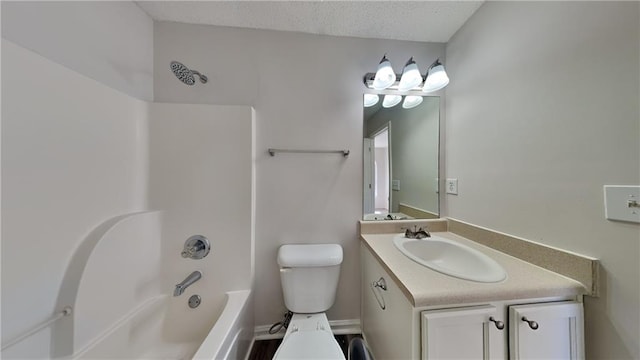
point(452, 186)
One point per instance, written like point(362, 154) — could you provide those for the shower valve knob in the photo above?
point(196, 247)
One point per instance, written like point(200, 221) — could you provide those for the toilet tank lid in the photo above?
point(310, 255)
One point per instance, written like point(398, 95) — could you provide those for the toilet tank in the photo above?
point(309, 276)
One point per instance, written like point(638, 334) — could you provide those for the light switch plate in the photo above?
point(395, 185)
point(622, 203)
point(452, 186)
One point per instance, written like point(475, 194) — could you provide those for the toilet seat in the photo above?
point(309, 336)
point(309, 344)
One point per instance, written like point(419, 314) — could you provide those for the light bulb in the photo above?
point(436, 79)
point(391, 100)
point(385, 76)
point(370, 100)
point(411, 101)
point(410, 76)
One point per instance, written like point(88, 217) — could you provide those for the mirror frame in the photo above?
point(442, 208)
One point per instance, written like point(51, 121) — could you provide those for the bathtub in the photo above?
point(232, 334)
point(150, 332)
point(120, 284)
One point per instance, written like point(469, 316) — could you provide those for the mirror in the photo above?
point(401, 152)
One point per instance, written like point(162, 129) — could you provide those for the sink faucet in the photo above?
point(417, 233)
point(193, 277)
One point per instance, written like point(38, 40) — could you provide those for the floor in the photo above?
point(265, 349)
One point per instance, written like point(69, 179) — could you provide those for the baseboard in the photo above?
point(345, 327)
point(339, 327)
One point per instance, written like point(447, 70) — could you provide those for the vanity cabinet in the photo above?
point(386, 315)
point(546, 331)
point(545, 328)
point(462, 333)
point(551, 330)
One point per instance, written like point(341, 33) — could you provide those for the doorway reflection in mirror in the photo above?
point(401, 152)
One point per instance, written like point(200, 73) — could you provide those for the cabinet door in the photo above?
point(386, 314)
point(546, 331)
point(463, 333)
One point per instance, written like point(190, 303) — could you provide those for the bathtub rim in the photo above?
point(225, 331)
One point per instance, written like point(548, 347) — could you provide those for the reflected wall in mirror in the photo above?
point(401, 161)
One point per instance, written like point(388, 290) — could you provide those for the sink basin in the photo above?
point(451, 258)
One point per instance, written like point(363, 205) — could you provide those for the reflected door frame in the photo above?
point(386, 128)
point(369, 168)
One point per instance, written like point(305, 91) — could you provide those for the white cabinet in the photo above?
point(394, 329)
point(463, 333)
point(538, 331)
point(546, 331)
point(387, 315)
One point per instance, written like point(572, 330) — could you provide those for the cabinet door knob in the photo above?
point(532, 324)
point(499, 324)
point(381, 283)
point(377, 287)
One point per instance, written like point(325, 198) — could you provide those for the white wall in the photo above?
point(307, 93)
point(200, 166)
point(542, 111)
point(71, 159)
point(108, 41)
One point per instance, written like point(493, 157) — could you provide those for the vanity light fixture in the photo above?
point(436, 78)
point(385, 76)
point(391, 100)
point(370, 100)
point(411, 101)
point(410, 80)
point(410, 76)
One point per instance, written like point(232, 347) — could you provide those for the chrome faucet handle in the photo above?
point(416, 233)
point(196, 247)
point(188, 252)
point(422, 233)
point(410, 234)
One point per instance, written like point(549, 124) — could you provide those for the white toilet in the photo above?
point(309, 275)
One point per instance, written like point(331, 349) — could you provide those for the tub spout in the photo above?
point(193, 277)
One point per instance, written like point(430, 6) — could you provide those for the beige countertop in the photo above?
point(426, 287)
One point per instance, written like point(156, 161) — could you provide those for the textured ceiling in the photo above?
point(429, 21)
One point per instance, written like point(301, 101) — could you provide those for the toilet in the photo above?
point(309, 275)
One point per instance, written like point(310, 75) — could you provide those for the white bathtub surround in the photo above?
point(70, 160)
point(201, 176)
point(202, 179)
point(110, 275)
point(73, 162)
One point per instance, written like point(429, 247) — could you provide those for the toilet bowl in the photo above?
point(309, 336)
point(309, 276)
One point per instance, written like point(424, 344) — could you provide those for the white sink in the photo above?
point(451, 258)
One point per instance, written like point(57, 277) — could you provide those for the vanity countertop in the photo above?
point(426, 287)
